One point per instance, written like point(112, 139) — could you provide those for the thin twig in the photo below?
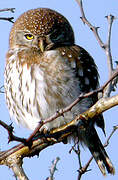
point(10, 19)
point(108, 139)
point(53, 169)
point(8, 9)
point(12, 137)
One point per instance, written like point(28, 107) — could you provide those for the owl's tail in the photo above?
point(96, 148)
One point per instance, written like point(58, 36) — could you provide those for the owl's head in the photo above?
point(41, 28)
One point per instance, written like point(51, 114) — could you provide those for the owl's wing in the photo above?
point(86, 71)
point(90, 72)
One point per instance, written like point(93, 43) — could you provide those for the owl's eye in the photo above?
point(29, 36)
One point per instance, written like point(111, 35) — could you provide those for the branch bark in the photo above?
point(16, 165)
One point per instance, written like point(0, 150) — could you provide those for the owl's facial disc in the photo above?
point(29, 40)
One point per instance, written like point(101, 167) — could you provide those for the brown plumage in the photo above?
point(46, 71)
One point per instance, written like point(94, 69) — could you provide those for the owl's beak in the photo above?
point(41, 44)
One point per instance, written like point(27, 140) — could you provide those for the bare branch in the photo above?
point(101, 106)
point(8, 9)
point(110, 19)
point(83, 169)
point(105, 46)
point(98, 108)
point(53, 169)
point(10, 19)
point(109, 88)
point(93, 28)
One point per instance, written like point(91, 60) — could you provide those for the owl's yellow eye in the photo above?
point(29, 36)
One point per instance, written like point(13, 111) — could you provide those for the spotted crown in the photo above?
point(44, 21)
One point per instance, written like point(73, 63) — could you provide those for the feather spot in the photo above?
point(87, 82)
point(80, 72)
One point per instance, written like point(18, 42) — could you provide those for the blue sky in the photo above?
point(38, 168)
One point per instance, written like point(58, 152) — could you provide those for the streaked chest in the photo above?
point(35, 91)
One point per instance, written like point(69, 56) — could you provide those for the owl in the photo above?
point(45, 71)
